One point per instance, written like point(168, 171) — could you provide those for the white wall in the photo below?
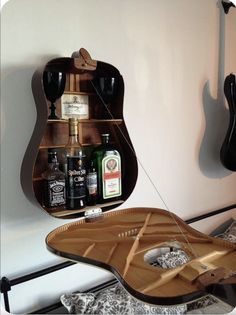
point(168, 53)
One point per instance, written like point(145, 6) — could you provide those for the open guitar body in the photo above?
point(127, 243)
point(228, 150)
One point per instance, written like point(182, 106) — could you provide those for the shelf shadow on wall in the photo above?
point(216, 116)
point(17, 111)
point(37, 135)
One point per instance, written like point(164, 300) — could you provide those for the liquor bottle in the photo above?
point(92, 185)
point(107, 161)
point(54, 195)
point(75, 169)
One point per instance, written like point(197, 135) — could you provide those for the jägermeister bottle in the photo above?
point(75, 169)
point(107, 162)
point(54, 195)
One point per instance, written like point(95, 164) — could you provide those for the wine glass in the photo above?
point(54, 85)
point(106, 88)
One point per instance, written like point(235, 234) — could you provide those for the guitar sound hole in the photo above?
point(166, 257)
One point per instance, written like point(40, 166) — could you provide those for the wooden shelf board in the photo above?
point(63, 213)
point(79, 93)
point(45, 147)
point(37, 179)
point(87, 121)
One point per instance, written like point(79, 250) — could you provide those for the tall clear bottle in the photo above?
point(54, 195)
point(75, 169)
point(107, 162)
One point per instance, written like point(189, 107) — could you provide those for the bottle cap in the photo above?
point(73, 126)
point(52, 156)
point(52, 151)
point(73, 120)
point(105, 137)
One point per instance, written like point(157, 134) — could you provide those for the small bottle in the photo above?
point(92, 186)
point(75, 169)
point(107, 161)
point(54, 194)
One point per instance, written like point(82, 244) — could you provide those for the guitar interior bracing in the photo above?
point(121, 240)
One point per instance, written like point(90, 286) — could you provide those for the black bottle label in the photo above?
point(76, 178)
point(54, 193)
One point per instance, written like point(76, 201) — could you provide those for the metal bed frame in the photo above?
point(6, 284)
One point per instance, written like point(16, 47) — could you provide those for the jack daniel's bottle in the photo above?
point(54, 195)
point(107, 162)
point(75, 169)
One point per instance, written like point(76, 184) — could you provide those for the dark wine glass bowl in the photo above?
point(106, 87)
point(54, 86)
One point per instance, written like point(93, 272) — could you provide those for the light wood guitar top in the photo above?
point(127, 242)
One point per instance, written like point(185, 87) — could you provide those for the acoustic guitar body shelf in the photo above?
point(85, 83)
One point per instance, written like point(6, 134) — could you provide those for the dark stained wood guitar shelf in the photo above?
point(81, 70)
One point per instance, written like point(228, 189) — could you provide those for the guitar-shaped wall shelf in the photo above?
point(80, 74)
point(131, 243)
point(228, 150)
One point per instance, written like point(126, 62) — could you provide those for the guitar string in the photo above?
point(146, 173)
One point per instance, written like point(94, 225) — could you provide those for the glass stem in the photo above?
point(53, 112)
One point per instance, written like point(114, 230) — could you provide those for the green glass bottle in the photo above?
point(107, 162)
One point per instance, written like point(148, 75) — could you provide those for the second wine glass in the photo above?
point(106, 88)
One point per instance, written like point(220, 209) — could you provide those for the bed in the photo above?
point(111, 298)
